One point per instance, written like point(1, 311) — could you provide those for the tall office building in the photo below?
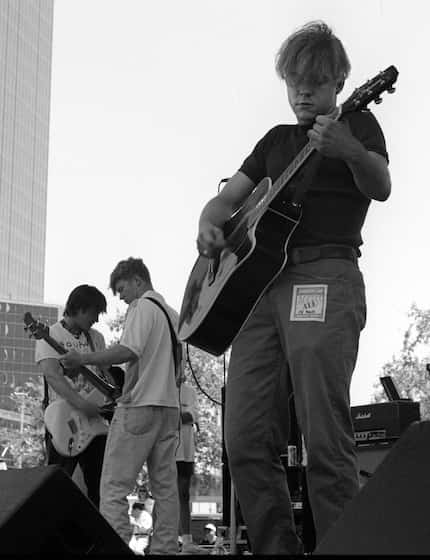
point(25, 85)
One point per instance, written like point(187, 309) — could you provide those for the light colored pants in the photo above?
point(138, 435)
point(316, 357)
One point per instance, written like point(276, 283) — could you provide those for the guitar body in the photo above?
point(221, 293)
point(71, 430)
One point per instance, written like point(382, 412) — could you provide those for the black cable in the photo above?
point(196, 380)
point(224, 368)
point(179, 419)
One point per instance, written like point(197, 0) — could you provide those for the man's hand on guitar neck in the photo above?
point(370, 171)
point(333, 138)
point(72, 359)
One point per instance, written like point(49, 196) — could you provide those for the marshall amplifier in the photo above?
point(383, 421)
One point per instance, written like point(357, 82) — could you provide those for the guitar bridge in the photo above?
point(213, 270)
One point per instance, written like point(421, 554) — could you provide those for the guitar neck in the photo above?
point(54, 344)
point(291, 170)
point(104, 387)
point(294, 166)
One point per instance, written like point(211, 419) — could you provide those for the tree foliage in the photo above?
point(206, 374)
point(408, 368)
point(26, 449)
point(115, 326)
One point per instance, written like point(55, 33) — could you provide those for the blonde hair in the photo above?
point(127, 269)
point(313, 53)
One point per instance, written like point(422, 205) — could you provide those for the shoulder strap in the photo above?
point(45, 401)
point(93, 349)
point(89, 340)
point(176, 345)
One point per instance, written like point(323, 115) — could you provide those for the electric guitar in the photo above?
point(222, 292)
point(72, 430)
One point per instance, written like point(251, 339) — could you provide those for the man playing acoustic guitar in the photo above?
point(75, 331)
point(305, 329)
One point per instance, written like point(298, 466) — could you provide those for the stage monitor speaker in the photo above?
point(370, 456)
point(390, 514)
point(43, 512)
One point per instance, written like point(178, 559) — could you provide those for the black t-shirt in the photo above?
point(334, 209)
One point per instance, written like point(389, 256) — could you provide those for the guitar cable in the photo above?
point(197, 381)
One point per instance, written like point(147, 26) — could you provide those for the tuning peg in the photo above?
point(378, 100)
point(391, 89)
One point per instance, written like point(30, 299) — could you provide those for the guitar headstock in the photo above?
point(36, 329)
point(371, 90)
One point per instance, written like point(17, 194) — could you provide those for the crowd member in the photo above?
point(144, 427)
point(74, 331)
point(141, 522)
point(209, 535)
point(307, 324)
point(185, 456)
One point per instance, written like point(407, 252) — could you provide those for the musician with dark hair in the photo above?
point(145, 424)
point(305, 329)
point(75, 331)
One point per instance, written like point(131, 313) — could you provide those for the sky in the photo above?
point(154, 101)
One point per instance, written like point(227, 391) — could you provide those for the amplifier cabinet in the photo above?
point(383, 421)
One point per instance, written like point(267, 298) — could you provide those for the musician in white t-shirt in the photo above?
point(146, 420)
point(74, 331)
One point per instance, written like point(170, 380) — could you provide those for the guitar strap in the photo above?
point(89, 340)
point(93, 349)
point(45, 401)
point(176, 345)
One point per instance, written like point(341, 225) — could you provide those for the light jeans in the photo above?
point(138, 435)
point(316, 358)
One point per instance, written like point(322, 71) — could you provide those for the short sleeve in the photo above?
point(43, 351)
point(366, 128)
point(137, 327)
point(98, 340)
point(254, 166)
